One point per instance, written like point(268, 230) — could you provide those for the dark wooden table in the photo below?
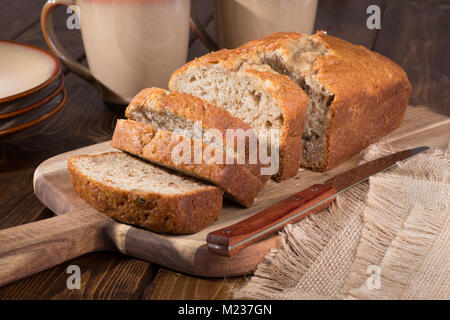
point(413, 33)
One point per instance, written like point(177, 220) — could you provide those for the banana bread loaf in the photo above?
point(355, 96)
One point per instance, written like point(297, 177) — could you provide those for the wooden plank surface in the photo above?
point(91, 231)
point(423, 29)
point(17, 16)
point(105, 275)
point(177, 286)
point(84, 120)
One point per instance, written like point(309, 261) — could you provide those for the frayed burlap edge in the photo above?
point(281, 273)
point(288, 273)
point(406, 233)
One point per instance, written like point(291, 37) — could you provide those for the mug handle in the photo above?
point(200, 32)
point(52, 41)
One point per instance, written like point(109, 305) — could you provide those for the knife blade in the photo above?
point(230, 240)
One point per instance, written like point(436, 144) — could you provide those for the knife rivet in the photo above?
point(226, 231)
point(297, 198)
point(315, 189)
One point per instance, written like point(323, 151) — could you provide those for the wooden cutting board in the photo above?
point(79, 229)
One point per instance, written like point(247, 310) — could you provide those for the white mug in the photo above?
point(240, 21)
point(129, 44)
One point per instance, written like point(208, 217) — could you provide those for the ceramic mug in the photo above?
point(129, 44)
point(240, 21)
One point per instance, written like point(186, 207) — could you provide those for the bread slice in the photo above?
point(184, 114)
point(253, 92)
point(196, 159)
point(136, 192)
point(355, 96)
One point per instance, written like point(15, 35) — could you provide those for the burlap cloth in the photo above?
point(384, 239)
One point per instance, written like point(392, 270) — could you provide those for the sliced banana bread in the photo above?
point(253, 92)
point(355, 96)
point(180, 153)
point(136, 192)
point(184, 114)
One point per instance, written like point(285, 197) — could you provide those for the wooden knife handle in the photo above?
point(230, 240)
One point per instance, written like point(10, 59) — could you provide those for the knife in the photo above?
point(230, 240)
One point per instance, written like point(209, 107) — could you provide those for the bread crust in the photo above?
point(195, 109)
point(157, 146)
point(291, 98)
point(370, 91)
point(176, 214)
point(371, 94)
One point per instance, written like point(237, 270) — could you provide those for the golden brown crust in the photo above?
point(158, 146)
point(229, 59)
point(370, 91)
point(292, 99)
point(232, 59)
point(177, 214)
point(195, 109)
point(371, 94)
point(144, 97)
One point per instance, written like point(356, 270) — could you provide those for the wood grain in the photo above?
point(433, 131)
point(17, 16)
point(230, 240)
point(347, 20)
point(421, 27)
point(177, 286)
point(30, 248)
point(104, 275)
point(186, 253)
point(83, 121)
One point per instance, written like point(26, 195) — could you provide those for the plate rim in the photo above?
point(33, 122)
point(37, 104)
point(57, 71)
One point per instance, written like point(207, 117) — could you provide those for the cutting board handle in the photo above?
point(33, 247)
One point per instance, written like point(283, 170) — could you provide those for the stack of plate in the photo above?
point(31, 86)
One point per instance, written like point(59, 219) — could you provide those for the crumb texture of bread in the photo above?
point(135, 192)
point(196, 119)
point(355, 96)
point(162, 147)
point(254, 93)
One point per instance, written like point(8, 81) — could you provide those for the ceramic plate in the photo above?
point(24, 69)
point(33, 117)
point(32, 101)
